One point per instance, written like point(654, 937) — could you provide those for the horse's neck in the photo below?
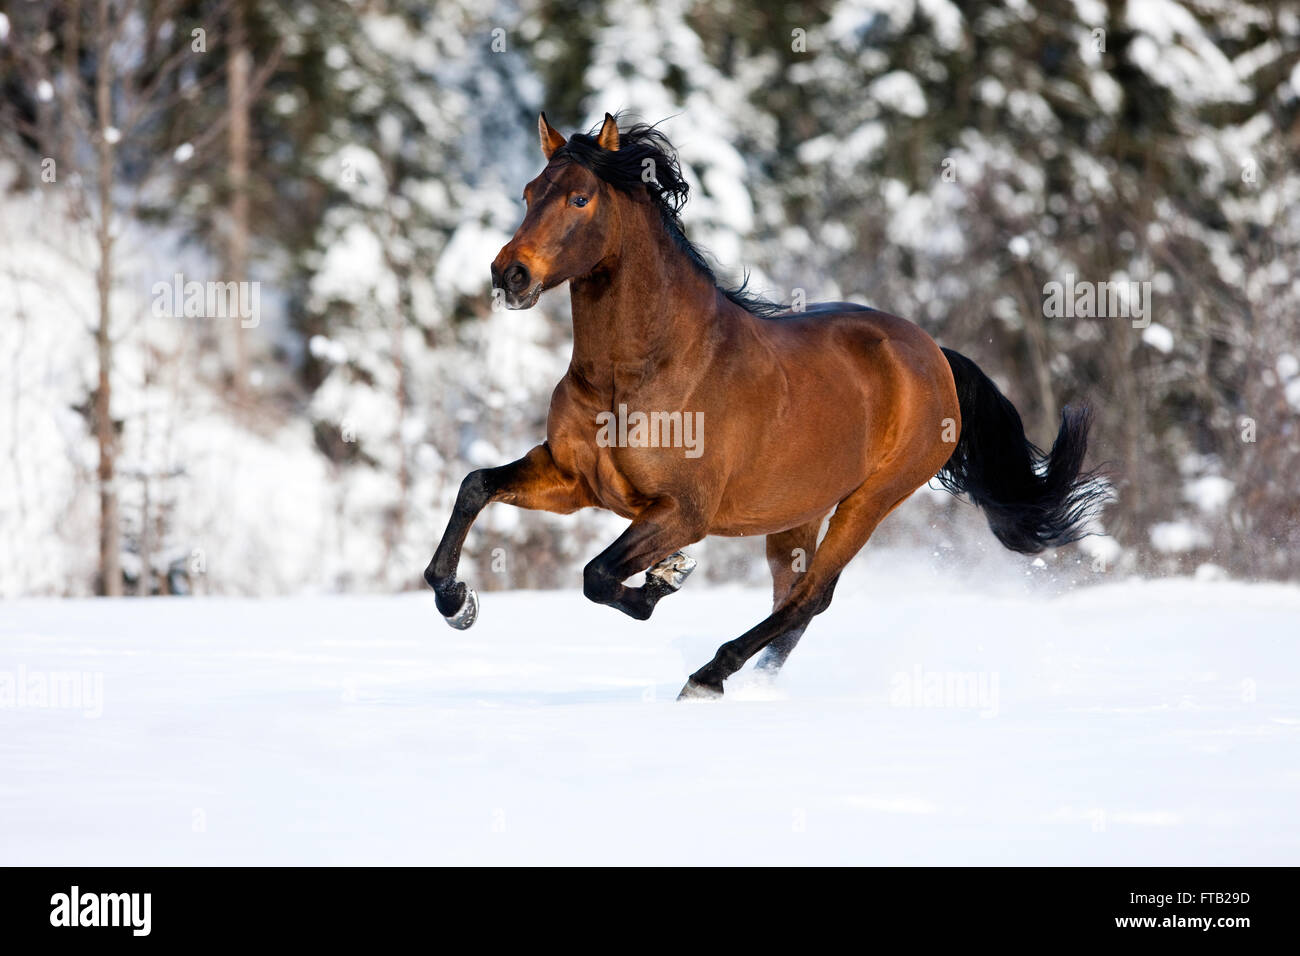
point(651, 305)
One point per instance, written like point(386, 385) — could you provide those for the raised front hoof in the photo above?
point(468, 613)
point(672, 571)
point(694, 690)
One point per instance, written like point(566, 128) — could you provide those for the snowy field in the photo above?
point(1133, 723)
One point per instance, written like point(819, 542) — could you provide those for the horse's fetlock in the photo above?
point(449, 596)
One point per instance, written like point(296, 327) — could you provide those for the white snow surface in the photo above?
point(1128, 723)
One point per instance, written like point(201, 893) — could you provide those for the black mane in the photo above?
point(623, 169)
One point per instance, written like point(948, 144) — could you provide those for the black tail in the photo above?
point(1033, 501)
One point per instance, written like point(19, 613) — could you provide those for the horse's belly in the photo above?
point(803, 482)
point(781, 502)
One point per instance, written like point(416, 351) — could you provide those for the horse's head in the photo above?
point(568, 226)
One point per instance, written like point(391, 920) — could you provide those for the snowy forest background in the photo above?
point(362, 162)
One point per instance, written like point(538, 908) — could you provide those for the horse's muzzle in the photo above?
point(521, 289)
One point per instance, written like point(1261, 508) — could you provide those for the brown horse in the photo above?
point(692, 410)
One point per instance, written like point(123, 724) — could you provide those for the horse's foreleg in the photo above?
point(854, 521)
point(533, 482)
point(653, 541)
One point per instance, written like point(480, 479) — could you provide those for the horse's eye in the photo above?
point(578, 201)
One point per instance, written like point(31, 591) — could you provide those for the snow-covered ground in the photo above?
point(919, 723)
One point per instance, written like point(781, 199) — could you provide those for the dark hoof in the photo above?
point(468, 613)
point(697, 691)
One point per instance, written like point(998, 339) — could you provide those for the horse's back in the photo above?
point(820, 309)
point(862, 331)
point(869, 365)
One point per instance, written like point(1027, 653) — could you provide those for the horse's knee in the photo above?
point(474, 492)
point(597, 584)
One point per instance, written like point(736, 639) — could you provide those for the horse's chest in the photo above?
point(618, 441)
point(616, 479)
point(616, 485)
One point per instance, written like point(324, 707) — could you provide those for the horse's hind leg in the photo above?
point(789, 553)
point(854, 521)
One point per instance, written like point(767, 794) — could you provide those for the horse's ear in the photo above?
point(608, 137)
point(551, 140)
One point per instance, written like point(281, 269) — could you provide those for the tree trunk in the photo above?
point(110, 532)
point(397, 523)
point(71, 85)
point(144, 586)
point(238, 68)
point(1047, 412)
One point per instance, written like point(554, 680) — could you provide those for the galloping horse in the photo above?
point(835, 408)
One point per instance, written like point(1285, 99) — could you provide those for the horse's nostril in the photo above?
point(516, 278)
